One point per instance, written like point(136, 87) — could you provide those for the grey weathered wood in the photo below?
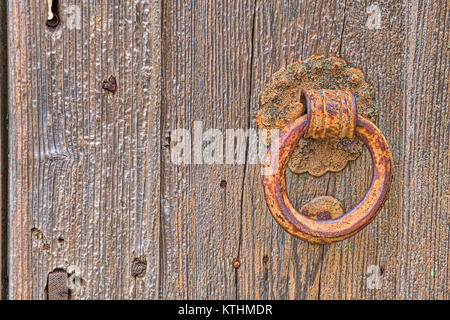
point(407, 61)
point(278, 266)
point(206, 62)
point(92, 183)
point(3, 155)
point(84, 165)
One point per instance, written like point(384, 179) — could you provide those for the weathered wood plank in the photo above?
point(3, 154)
point(276, 265)
point(206, 76)
point(407, 61)
point(84, 165)
point(379, 52)
point(93, 185)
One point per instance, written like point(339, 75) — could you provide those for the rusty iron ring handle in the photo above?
point(315, 231)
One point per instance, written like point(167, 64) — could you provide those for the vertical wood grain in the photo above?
point(407, 61)
point(84, 165)
point(380, 53)
point(92, 184)
point(3, 154)
point(274, 264)
point(206, 76)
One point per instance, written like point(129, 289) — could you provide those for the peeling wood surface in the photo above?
point(93, 189)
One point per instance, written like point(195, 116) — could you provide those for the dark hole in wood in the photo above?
point(55, 20)
point(138, 268)
point(110, 84)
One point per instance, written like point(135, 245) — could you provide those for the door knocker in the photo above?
point(330, 114)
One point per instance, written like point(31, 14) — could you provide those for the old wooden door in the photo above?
point(92, 188)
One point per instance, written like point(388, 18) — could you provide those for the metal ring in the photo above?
point(316, 231)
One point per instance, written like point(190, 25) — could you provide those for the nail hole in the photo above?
point(36, 233)
point(166, 145)
point(110, 84)
point(138, 268)
point(223, 184)
point(382, 269)
point(265, 259)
